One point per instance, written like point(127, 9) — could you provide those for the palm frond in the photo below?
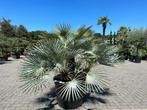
point(63, 30)
point(83, 32)
point(104, 19)
point(107, 54)
point(45, 56)
point(72, 90)
point(96, 81)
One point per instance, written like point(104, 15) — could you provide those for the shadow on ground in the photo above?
point(49, 99)
point(4, 62)
point(98, 98)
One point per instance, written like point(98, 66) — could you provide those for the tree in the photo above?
point(22, 32)
point(6, 28)
point(6, 45)
point(38, 35)
point(20, 40)
point(103, 21)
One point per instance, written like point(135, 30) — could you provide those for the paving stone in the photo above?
point(127, 84)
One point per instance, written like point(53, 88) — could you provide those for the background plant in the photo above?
point(103, 21)
point(137, 42)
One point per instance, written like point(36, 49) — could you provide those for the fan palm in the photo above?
point(103, 21)
point(71, 57)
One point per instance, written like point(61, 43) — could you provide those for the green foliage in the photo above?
point(35, 36)
point(6, 28)
point(21, 32)
point(103, 20)
point(12, 38)
point(137, 40)
point(6, 45)
point(123, 31)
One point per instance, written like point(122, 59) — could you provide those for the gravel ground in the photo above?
point(127, 89)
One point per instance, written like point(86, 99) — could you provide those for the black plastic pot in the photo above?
point(144, 57)
point(126, 56)
point(66, 104)
point(17, 55)
point(131, 58)
point(69, 104)
point(137, 59)
point(5, 57)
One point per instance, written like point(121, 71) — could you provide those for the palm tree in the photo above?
point(71, 58)
point(103, 21)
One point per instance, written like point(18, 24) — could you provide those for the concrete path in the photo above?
point(127, 90)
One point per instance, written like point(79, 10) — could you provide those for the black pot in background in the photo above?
point(66, 104)
point(126, 56)
point(6, 56)
point(144, 57)
point(17, 55)
point(131, 58)
point(69, 104)
point(137, 59)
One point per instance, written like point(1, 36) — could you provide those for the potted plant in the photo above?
point(135, 54)
point(18, 45)
point(17, 53)
point(136, 42)
point(144, 52)
point(124, 50)
point(144, 56)
point(71, 58)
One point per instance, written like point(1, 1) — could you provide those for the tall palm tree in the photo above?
point(103, 21)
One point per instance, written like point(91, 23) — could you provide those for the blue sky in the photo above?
point(45, 14)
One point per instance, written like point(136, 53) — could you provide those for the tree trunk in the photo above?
point(104, 28)
point(71, 65)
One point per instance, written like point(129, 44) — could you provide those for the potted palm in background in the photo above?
point(71, 57)
point(122, 35)
point(136, 41)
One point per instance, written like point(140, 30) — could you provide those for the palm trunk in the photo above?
point(114, 40)
point(104, 28)
point(111, 40)
point(104, 31)
point(71, 65)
